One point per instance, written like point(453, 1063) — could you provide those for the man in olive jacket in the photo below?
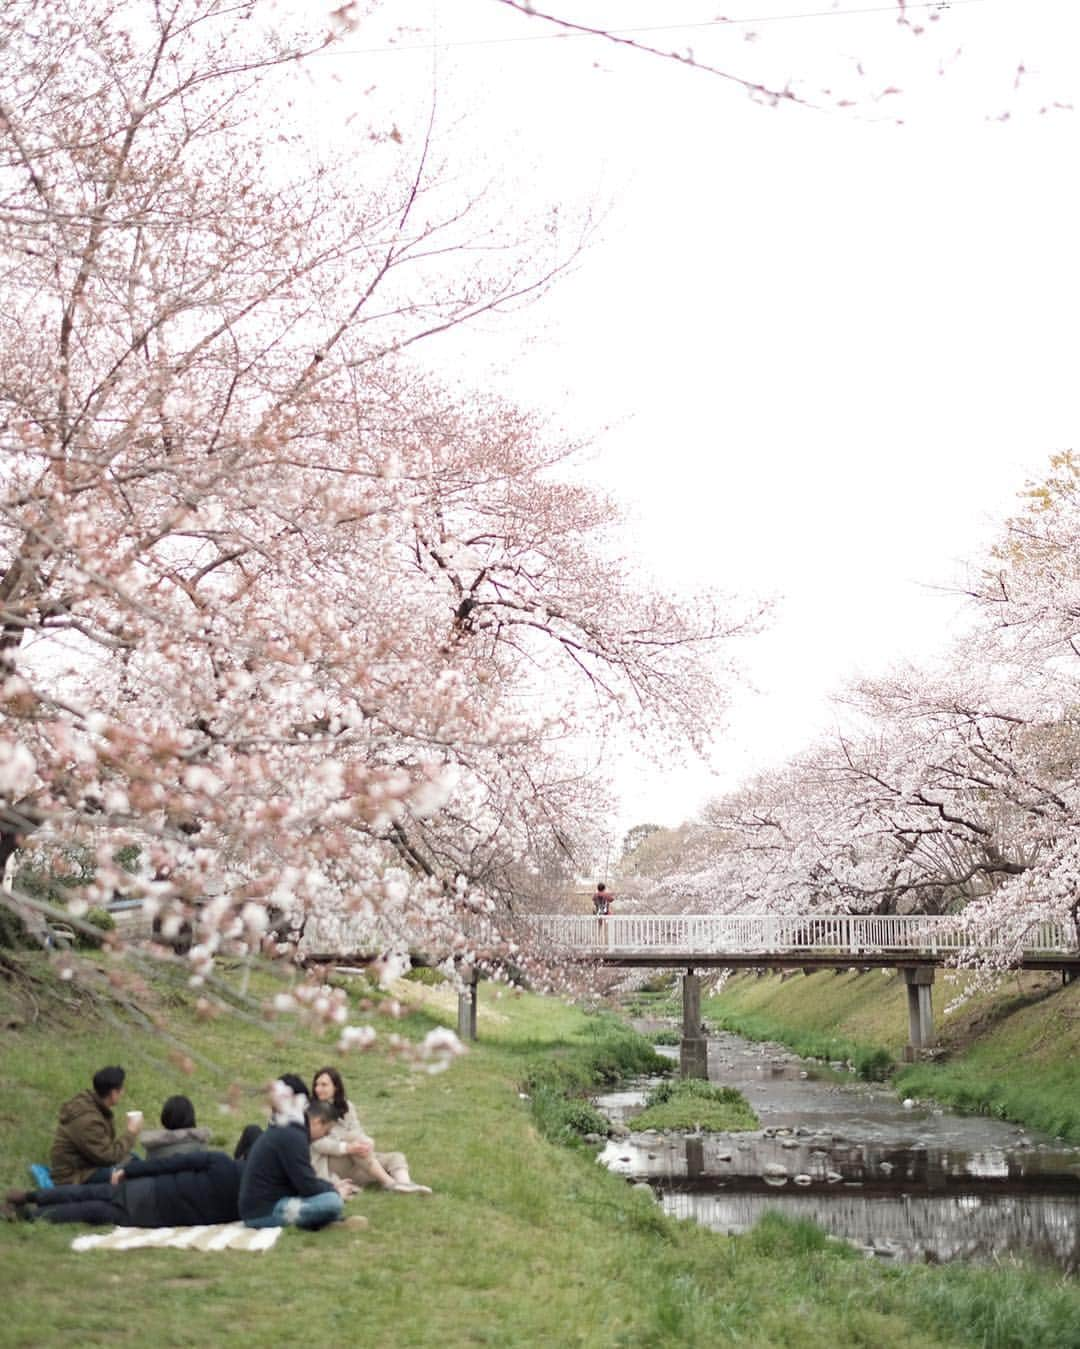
point(85, 1147)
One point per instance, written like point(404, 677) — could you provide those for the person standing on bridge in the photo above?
point(601, 902)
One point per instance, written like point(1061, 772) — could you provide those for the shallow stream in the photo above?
point(919, 1183)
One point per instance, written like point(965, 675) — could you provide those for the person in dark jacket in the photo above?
point(246, 1141)
point(286, 1100)
point(85, 1146)
point(186, 1190)
point(279, 1186)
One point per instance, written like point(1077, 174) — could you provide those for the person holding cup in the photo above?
point(86, 1147)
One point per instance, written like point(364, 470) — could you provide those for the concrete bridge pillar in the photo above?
point(466, 1006)
point(919, 982)
point(693, 1048)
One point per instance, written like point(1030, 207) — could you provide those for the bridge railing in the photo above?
point(741, 935)
point(750, 934)
point(345, 933)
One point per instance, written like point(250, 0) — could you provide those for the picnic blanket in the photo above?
point(213, 1237)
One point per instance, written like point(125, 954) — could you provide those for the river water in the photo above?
point(919, 1183)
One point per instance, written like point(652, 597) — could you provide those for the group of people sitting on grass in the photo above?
point(298, 1171)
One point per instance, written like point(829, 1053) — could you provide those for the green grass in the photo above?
point(559, 1083)
point(984, 1085)
point(872, 1063)
point(665, 1035)
point(659, 1001)
point(824, 1015)
point(524, 1243)
point(692, 1104)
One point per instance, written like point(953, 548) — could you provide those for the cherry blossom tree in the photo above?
point(952, 788)
point(282, 611)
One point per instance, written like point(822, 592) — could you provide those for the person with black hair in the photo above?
point(297, 1102)
point(279, 1187)
point(246, 1141)
point(85, 1147)
point(348, 1152)
point(178, 1133)
point(286, 1101)
point(602, 900)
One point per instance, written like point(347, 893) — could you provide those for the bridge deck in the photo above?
point(826, 941)
point(801, 959)
point(730, 941)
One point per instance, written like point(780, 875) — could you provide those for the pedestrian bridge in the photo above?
point(914, 944)
point(732, 941)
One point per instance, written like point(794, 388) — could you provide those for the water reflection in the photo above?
point(745, 1161)
point(917, 1184)
point(911, 1227)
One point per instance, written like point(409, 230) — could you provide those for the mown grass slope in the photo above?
point(524, 1243)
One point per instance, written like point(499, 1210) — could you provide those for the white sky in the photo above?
point(828, 349)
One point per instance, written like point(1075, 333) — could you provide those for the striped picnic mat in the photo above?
point(215, 1237)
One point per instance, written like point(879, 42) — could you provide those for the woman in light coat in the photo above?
point(347, 1151)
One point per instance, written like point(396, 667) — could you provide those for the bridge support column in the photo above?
point(466, 1006)
point(693, 1048)
point(919, 982)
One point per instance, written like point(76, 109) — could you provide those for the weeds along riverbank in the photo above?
point(525, 1242)
point(1012, 1051)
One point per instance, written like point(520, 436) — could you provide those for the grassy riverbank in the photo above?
point(526, 1242)
point(1013, 1052)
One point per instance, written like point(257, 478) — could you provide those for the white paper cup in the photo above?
point(134, 1119)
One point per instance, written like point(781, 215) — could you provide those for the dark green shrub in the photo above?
point(424, 974)
point(103, 920)
point(692, 1086)
point(54, 874)
point(874, 1065)
point(617, 1052)
point(13, 933)
point(559, 1085)
point(565, 1119)
point(666, 1035)
point(569, 1076)
point(128, 857)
